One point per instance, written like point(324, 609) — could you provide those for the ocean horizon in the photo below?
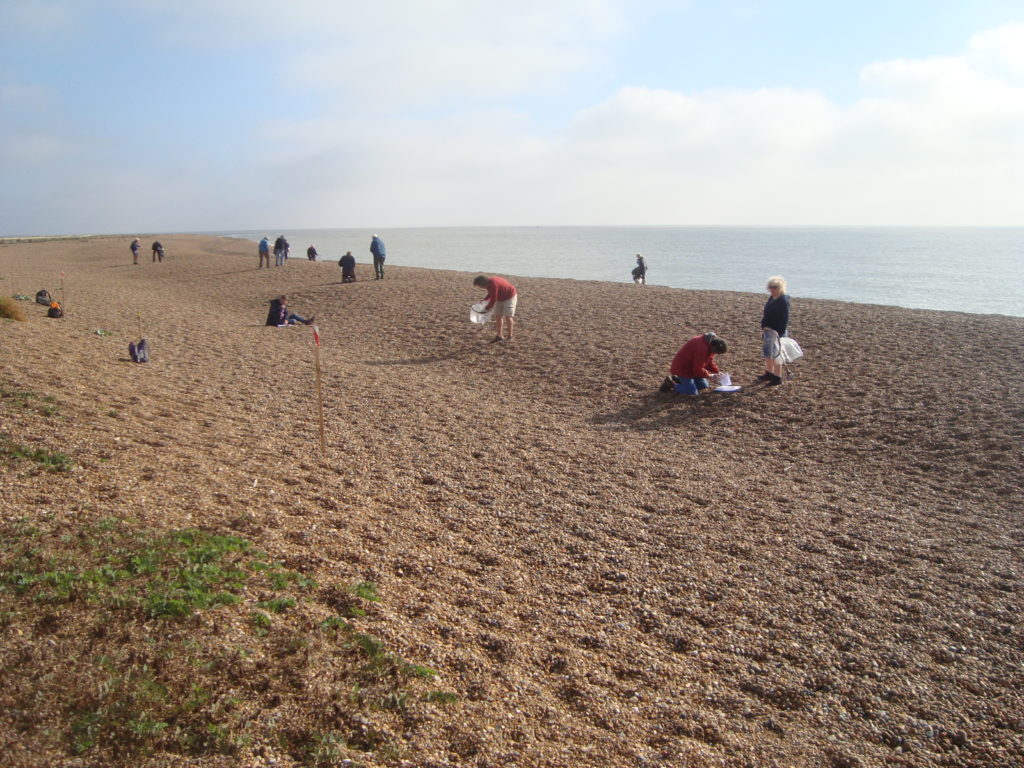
point(961, 269)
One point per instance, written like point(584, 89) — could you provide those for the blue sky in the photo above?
point(196, 115)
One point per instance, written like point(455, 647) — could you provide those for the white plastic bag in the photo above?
point(789, 350)
point(477, 314)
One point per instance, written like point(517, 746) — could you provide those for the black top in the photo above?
point(274, 315)
point(776, 314)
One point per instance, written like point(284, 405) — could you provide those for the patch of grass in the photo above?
point(442, 697)
point(122, 709)
point(382, 663)
point(44, 404)
point(280, 578)
point(366, 590)
point(278, 604)
point(325, 750)
point(335, 622)
point(261, 623)
point(156, 679)
point(417, 670)
point(52, 462)
point(371, 646)
point(164, 576)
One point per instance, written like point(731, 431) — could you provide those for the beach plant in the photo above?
point(261, 623)
point(277, 605)
point(11, 311)
point(335, 622)
point(326, 749)
point(366, 590)
point(155, 676)
point(45, 405)
point(52, 462)
point(442, 697)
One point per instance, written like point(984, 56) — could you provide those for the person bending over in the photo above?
point(501, 296)
point(696, 360)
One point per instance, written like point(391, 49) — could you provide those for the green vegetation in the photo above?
point(174, 641)
point(53, 462)
point(44, 405)
point(10, 449)
point(366, 590)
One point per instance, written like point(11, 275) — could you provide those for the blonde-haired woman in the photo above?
point(774, 322)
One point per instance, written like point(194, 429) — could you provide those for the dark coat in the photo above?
point(274, 315)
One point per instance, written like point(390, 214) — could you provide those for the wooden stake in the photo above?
point(319, 390)
point(63, 306)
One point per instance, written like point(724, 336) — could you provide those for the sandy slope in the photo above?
point(824, 573)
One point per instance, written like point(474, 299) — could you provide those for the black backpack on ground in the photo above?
point(55, 310)
point(139, 352)
point(43, 297)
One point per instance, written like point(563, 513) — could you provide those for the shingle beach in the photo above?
point(825, 573)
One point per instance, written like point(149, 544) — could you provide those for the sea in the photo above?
point(963, 269)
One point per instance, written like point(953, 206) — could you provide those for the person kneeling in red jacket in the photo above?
point(695, 360)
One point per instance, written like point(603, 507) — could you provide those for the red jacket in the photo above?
point(498, 289)
point(694, 360)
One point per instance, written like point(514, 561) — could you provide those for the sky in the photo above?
point(130, 116)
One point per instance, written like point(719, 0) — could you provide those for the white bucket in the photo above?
point(477, 314)
point(724, 379)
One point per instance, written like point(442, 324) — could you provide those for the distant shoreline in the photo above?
point(857, 274)
point(47, 238)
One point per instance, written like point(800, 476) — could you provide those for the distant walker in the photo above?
point(379, 254)
point(640, 271)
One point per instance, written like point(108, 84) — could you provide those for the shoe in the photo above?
point(774, 381)
point(310, 320)
point(667, 385)
point(765, 376)
point(497, 338)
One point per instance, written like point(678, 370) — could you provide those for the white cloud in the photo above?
point(397, 54)
point(931, 141)
point(421, 123)
point(999, 51)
